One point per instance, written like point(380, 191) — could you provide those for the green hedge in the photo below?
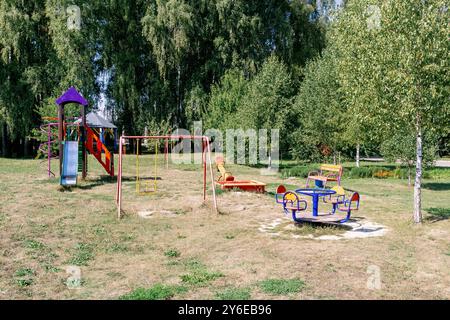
point(378, 172)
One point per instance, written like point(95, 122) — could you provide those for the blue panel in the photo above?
point(70, 163)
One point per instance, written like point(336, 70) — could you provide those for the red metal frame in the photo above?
point(206, 157)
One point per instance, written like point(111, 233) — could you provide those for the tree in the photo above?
point(402, 147)
point(268, 102)
point(320, 109)
point(225, 100)
point(394, 68)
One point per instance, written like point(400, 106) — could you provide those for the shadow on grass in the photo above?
point(437, 186)
point(438, 214)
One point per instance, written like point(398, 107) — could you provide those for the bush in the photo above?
point(300, 171)
point(378, 172)
point(361, 172)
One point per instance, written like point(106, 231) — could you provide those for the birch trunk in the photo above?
point(418, 179)
point(357, 155)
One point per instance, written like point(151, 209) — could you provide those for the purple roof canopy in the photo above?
point(71, 96)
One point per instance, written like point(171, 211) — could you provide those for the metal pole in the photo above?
point(119, 182)
point(212, 175)
point(49, 154)
point(204, 169)
point(166, 153)
point(83, 140)
point(60, 135)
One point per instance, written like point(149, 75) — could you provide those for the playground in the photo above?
point(172, 241)
point(228, 150)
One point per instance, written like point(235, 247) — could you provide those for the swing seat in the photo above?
point(146, 187)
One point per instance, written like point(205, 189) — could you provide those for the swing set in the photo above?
point(149, 186)
point(146, 186)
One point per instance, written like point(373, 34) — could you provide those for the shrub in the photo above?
point(361, 172)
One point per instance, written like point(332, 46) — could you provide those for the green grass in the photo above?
point(172, 253)
point(156, 292)
point(198, 276)
point(33, 244)
point(438, 213)
point(82, 255)
point(24, 277)
point(117, 247)
point(233, 293)
point(281, 286)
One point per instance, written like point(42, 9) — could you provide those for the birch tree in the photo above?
point(394, 67)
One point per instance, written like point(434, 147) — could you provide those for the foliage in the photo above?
point(323, 118)
point(147, 62)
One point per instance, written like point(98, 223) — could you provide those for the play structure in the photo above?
point(75, 140)
point(326, 173)
point(343, 202)
point(226, 180)
point(49, 147)
point(150, 186)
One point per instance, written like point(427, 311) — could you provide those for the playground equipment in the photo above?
point(226, 180)
point(343, 203)
point(149, 187)
point(206, 161)
point(326, 173)
point(292, 203)
point(70, 164)
point(337, 198)
point(73, 154)
point(50, 129)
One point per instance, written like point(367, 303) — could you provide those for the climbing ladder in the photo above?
point(95, 147)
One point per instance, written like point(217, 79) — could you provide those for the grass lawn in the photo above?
point(185, 250)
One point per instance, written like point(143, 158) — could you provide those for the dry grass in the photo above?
point(184, 243)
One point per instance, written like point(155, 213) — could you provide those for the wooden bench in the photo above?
point(326, 173)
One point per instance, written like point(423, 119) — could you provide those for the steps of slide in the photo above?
point(99, 151)
point(80, 158)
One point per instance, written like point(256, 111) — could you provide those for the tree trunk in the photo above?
point(409, 175)
point(418, 179)
point(4, 140)
point(25, 147)
point(357, 155)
